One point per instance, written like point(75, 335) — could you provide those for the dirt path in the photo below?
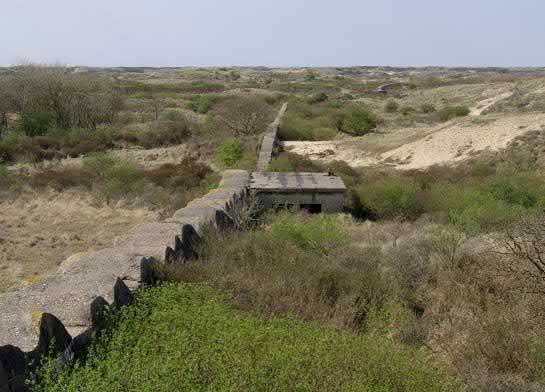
point(486, 103)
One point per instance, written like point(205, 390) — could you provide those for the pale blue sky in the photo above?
point(274, 32)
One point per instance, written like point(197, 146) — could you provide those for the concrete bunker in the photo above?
point(313, 192)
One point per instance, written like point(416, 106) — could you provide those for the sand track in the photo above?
point(449, 143)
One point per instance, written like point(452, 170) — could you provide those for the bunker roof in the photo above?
point(296, 182)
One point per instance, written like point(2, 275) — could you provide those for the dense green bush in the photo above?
point(317, 98)
point(406, 110)
point(357, 120)
point(390, 198)
point(230, 152)
point(203, 103)
point(99, 163)
point(123, 179)
point(36, 123)
point(320, 232)
point(451, 112)
point(288, 162)
point(186, 337)
point(294, 128)
point(391, 106)
point(427, 108)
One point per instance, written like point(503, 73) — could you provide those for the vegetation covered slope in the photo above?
point(187, 337)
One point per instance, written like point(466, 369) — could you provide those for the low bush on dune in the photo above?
point(322, 120)
point(392, 198)
point(203, 103)
point(357, 121)
point(230, 152)
point(189, 337)
point(452, 112)
point(319, 233)
point(391, 106)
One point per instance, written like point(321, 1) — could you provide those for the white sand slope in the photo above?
point(449, 143)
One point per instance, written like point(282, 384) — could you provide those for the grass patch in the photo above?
point(452, 112)
point(321, 120)
point(230, 152)
point(188, 337)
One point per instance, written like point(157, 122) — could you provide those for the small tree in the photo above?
point(243, 115)
point(391, 106)
point(522, 251)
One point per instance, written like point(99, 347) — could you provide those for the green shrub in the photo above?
point(187, 337)
point(482, 206)
point(288, 162)
point(451, 112)
point(121, 180)
point(99, 163)
point(230, 152)
point(203, 103)
point(36, 123)
point(3, 171)
point(406, 110)
point(295, 128)
point(391, 106)
point(391, 198)
point(357, 120)
point(319, 232)
point(317, 98)
point(427, 108)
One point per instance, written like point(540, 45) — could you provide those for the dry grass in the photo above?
point(423, 283)
point(40, 230)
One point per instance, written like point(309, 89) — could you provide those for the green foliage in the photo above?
point(304, 121)
point(357, 120)
point(36, 123)
point(451, 112)
point(123, 179)
point(317, 98)
point(3, 171)
point(197, 87)
point(186, 337)
point(203, 103)
point(99, 163)
point(391, 198)
point(319, 232)
point(480, 206)
point(427, 108)
point(288, 162)
point(391, 106)
point(230, 152)
point(406, 110)
point(293, 128)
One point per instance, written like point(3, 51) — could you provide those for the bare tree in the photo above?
point(72, 100)
point(521, 248)
point(244, 115)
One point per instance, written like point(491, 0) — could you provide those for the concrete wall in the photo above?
point(66, 308)
point(268, 144)
point(330, 202)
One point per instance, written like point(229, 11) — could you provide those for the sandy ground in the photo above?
point(39, 231)
point(145, 158)
point(486, 103)
point(419, 148)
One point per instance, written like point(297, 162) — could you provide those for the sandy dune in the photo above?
point(448, 143)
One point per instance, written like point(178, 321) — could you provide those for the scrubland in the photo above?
point(432, 279)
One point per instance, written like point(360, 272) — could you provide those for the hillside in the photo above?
point(431, 278)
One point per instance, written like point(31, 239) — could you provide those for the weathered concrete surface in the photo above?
point(68, 295)
point(296, 182)
point(269, 141)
